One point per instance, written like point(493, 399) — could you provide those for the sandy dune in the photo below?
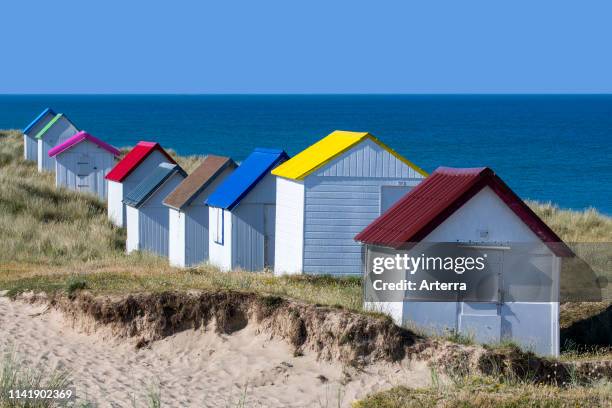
point(191, 369)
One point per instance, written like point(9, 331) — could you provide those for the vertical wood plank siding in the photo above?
point(341, 199)
point(58, 133)
point(289, 228)
point(100, 163)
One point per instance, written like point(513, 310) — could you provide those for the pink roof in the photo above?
point(78, 138)
point(437, 197)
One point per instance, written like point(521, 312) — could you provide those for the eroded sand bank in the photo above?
point(192, 368)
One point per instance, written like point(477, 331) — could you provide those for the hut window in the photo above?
point(218, 225)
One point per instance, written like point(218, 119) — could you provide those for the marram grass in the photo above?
point(55, 240)
point(51, 235)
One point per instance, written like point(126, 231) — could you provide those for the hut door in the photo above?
point(269, 224)
point(83, 171)
point(479, 317)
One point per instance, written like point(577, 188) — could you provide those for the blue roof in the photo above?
point(151, 183)
point(238, 184)
point(38, 118)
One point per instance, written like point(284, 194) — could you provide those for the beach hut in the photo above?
point(242, 212)
point(57, 131)
point(461, 213)
point(328, 193)
point(30, 143)
point(82, 161)
point(137, 164)
point(147, 218)
point(189, 215)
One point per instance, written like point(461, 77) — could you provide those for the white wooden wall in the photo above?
point(70, 171)
point(244, 234)
point(341, 199)
point(220, 253)
point(152, 227)
point(176, 244)
point(30, 143)
point(535, 325)
point(289, 226)
point(248, 240)
point(61, 131)
point(132, 243)
point(116, 207)
point(189, 228)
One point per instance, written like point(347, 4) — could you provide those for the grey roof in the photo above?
point(151, 183)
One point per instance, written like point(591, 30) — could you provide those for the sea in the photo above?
point(550, 148)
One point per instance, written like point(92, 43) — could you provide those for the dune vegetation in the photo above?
point(55, 241)
point(485, 393)
point(54, 237)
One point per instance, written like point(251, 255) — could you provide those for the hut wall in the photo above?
point(176, 244)
point(252, 230)
point(342, 198)
point(116, 207)
point(486, 219)
point(61, 131)
point(195, 228)
point(30, 143)
point(83, 167)
point(132, 243)
point(220, 247)
point(289, 228)
point(153, 220)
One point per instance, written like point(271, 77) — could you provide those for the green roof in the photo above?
point(48, 126)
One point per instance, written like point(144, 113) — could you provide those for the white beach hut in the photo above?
point(146, 217)
point(328, 193)
point(57, 131)
point(242, 213)
point(471, 211)
point(137, 164)
point(189, 215)
point(30, 143)
point(82, 161)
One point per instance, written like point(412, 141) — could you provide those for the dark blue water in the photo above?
point(548, 148)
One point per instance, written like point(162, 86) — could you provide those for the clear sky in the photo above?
point(306, 46)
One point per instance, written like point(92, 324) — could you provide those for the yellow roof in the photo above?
point(327, 149)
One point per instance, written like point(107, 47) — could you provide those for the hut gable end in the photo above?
point(483, 218)
point(364, 160)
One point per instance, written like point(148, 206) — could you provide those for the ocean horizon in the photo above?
point(555, 148)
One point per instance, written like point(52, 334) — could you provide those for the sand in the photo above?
point(192, 368)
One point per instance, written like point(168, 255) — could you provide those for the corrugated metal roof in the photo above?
point(133, 159)
point(210, 168)
point(436, 198)
point(52, 122)
point(327, 149)
point(150, 184)
point(38, 118)
point(78, 138)
point(240, 182)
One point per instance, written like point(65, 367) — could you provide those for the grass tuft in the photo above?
point(16, 375)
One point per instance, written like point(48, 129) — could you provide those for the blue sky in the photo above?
point(314, 46)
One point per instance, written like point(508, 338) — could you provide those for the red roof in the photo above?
point(134, 158)
point(437, 197)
